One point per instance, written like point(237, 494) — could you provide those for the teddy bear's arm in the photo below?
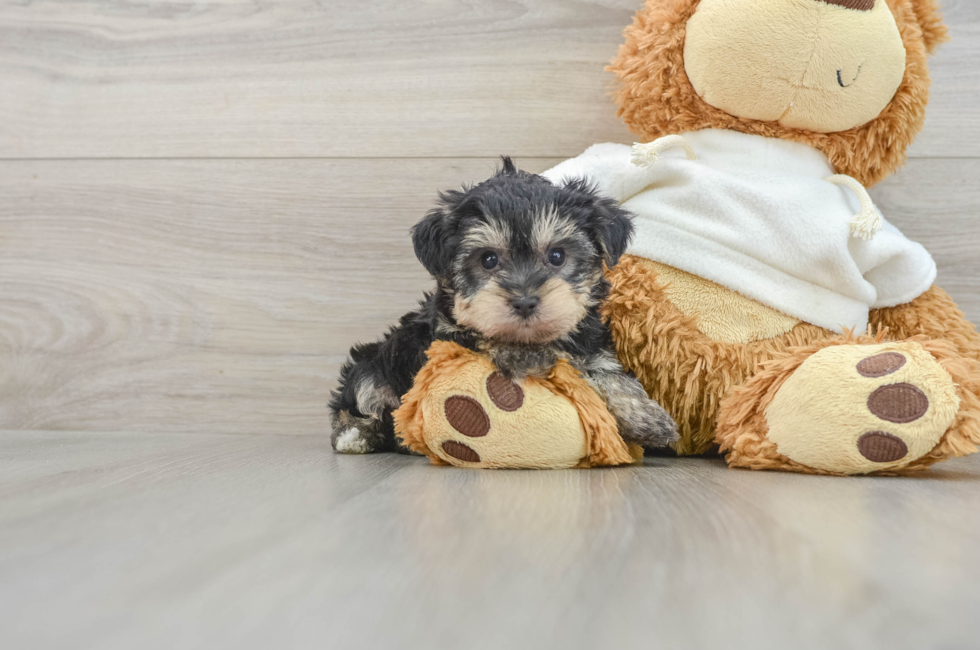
point(933, 314)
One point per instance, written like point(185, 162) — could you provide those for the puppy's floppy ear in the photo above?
point(434, 236)
point(613, 227)
point(609, 226)
point(429, 238)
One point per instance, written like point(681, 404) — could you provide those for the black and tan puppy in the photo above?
point(518, 264)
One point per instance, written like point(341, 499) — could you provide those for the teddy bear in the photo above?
point(765, 302)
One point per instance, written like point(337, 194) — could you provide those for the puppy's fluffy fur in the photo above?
point(518, 264)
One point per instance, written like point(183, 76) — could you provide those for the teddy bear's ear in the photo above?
point(934, 32)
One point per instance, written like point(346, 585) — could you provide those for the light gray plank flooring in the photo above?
point(215, 541)
point(372, 78)
point(223, 295)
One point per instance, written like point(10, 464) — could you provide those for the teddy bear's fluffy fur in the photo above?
point(718, 391)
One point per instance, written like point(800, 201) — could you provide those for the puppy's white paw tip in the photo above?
point(351, 442)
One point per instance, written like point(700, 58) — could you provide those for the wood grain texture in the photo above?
point(223, 295)
point(215, 295)
point(208, 541)
point(371, 78)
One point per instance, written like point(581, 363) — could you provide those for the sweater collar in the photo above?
point(741, 153)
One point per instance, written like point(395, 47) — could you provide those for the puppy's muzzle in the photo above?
point(525, 306)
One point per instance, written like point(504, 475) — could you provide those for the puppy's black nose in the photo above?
point(525, 305)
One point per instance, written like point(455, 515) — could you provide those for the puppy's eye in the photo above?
point(488, 260)
point(556, 257)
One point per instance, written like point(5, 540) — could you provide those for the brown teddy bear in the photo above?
point(759, 253)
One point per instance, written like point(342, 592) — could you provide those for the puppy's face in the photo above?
point(522, 258)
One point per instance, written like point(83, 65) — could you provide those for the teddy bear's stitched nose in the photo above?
point(860, 5)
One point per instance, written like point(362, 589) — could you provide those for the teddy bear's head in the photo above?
point(848, 77)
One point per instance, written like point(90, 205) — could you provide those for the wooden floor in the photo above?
point(203, 205)
point(165, 541)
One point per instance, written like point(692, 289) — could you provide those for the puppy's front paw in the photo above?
point(644, 422)
point(354, 435)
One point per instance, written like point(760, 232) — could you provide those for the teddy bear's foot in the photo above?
point(848, 409)
point(857, 409)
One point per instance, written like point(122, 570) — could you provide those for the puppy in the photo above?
point(518, 264)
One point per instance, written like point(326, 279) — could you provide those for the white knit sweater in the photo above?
point(758, 216)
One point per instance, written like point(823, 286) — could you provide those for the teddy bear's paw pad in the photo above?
point(505, 394)
point(881, 447)
point(467, 416)
point(857, 409)
point(898, 403)
point(459, 451)
point(880, 365)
